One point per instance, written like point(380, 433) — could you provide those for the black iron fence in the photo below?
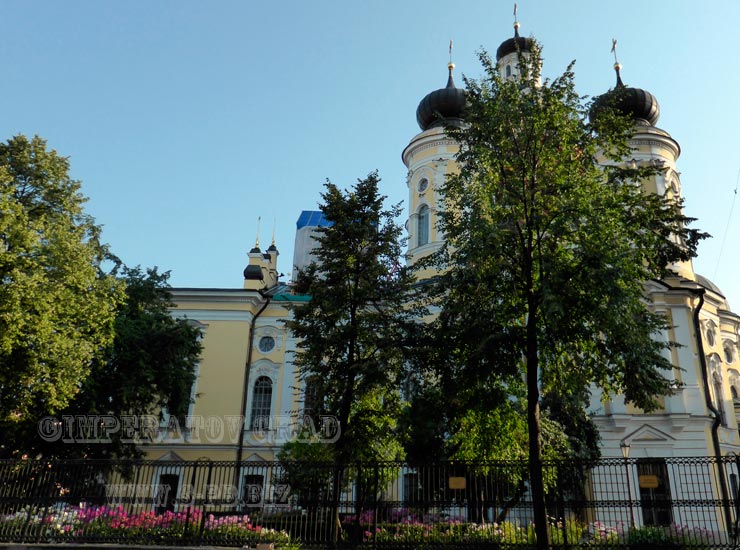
point(674, 502)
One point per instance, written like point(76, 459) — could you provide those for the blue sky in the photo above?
point(187, 120)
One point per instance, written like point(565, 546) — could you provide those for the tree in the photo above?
point(147, 371)
point(75, 339)
point(484, 431)
point(57, 306)
point(541, 279)
point(353, 331)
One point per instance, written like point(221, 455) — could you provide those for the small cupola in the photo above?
point(514, 45)
point(261, 271)
point(639, 105)
point(443, 106)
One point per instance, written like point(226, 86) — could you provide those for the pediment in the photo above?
point(648, 434)
point(170, 456)
point(255, 457)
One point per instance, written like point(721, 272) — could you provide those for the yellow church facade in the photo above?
point(245, 400)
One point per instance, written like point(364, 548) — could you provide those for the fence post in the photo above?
point(135, 497)
point(376, 487)
point(27, 526)
point(45, 498)
point(193, 477)
point(561, 504)
point(199, 538)
point(735, 496)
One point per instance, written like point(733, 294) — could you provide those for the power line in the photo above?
point(727, 227)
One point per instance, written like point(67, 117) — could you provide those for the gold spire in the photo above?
point(257, 240)
point(617, 64)
point(451, 65)
point(516, 21)
point(274, 221)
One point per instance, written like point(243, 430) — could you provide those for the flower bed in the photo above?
point(102, 523)
point(403, 527)
point(396, 527)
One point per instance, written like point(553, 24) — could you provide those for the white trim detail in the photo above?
point(202, 315)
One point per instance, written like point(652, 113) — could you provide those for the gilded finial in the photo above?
point(257, 240)
point(516, 21)
point(450, 67)
point(614, 51)
point(274, 222)
point(617, 64)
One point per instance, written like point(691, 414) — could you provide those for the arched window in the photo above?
point(715, 367)
point(422, 233)
point(711, 333)
point(508, 71)
point(261, 404)
point(729, 355)
point(717, 380)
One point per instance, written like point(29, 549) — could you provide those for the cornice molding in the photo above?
point(423, 142)
point(202, 315)
point(662, 142)
point(216, 295)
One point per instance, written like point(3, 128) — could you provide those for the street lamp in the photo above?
point(625, 448)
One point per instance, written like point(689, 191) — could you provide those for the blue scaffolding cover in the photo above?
point(312, 218)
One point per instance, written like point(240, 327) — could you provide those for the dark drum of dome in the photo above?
point(440, 106)
point(509, 46)
point(636, 103)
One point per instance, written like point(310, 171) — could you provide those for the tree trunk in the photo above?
point(536, 480)
point(340, 455)
point(337, 480)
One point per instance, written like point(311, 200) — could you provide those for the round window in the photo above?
point(267, 343)
point(422, 185)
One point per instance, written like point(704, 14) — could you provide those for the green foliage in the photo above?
point(424, 425)
point(154, 355)
point(541, 285)
point(540, 236)
point(57, 307)
point(648, 535)
point(150, 367)
point(568, 411)
point(423, 534)
point(73, 339)
point(489, 435)
point(355, 328)
point(306, 467)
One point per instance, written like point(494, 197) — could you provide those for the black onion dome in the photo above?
point(638, 104)
point(516, 43)
point(443, 106)
point(253, 273)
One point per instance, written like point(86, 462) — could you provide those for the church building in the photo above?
point(247, 374)
point(699, 419)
